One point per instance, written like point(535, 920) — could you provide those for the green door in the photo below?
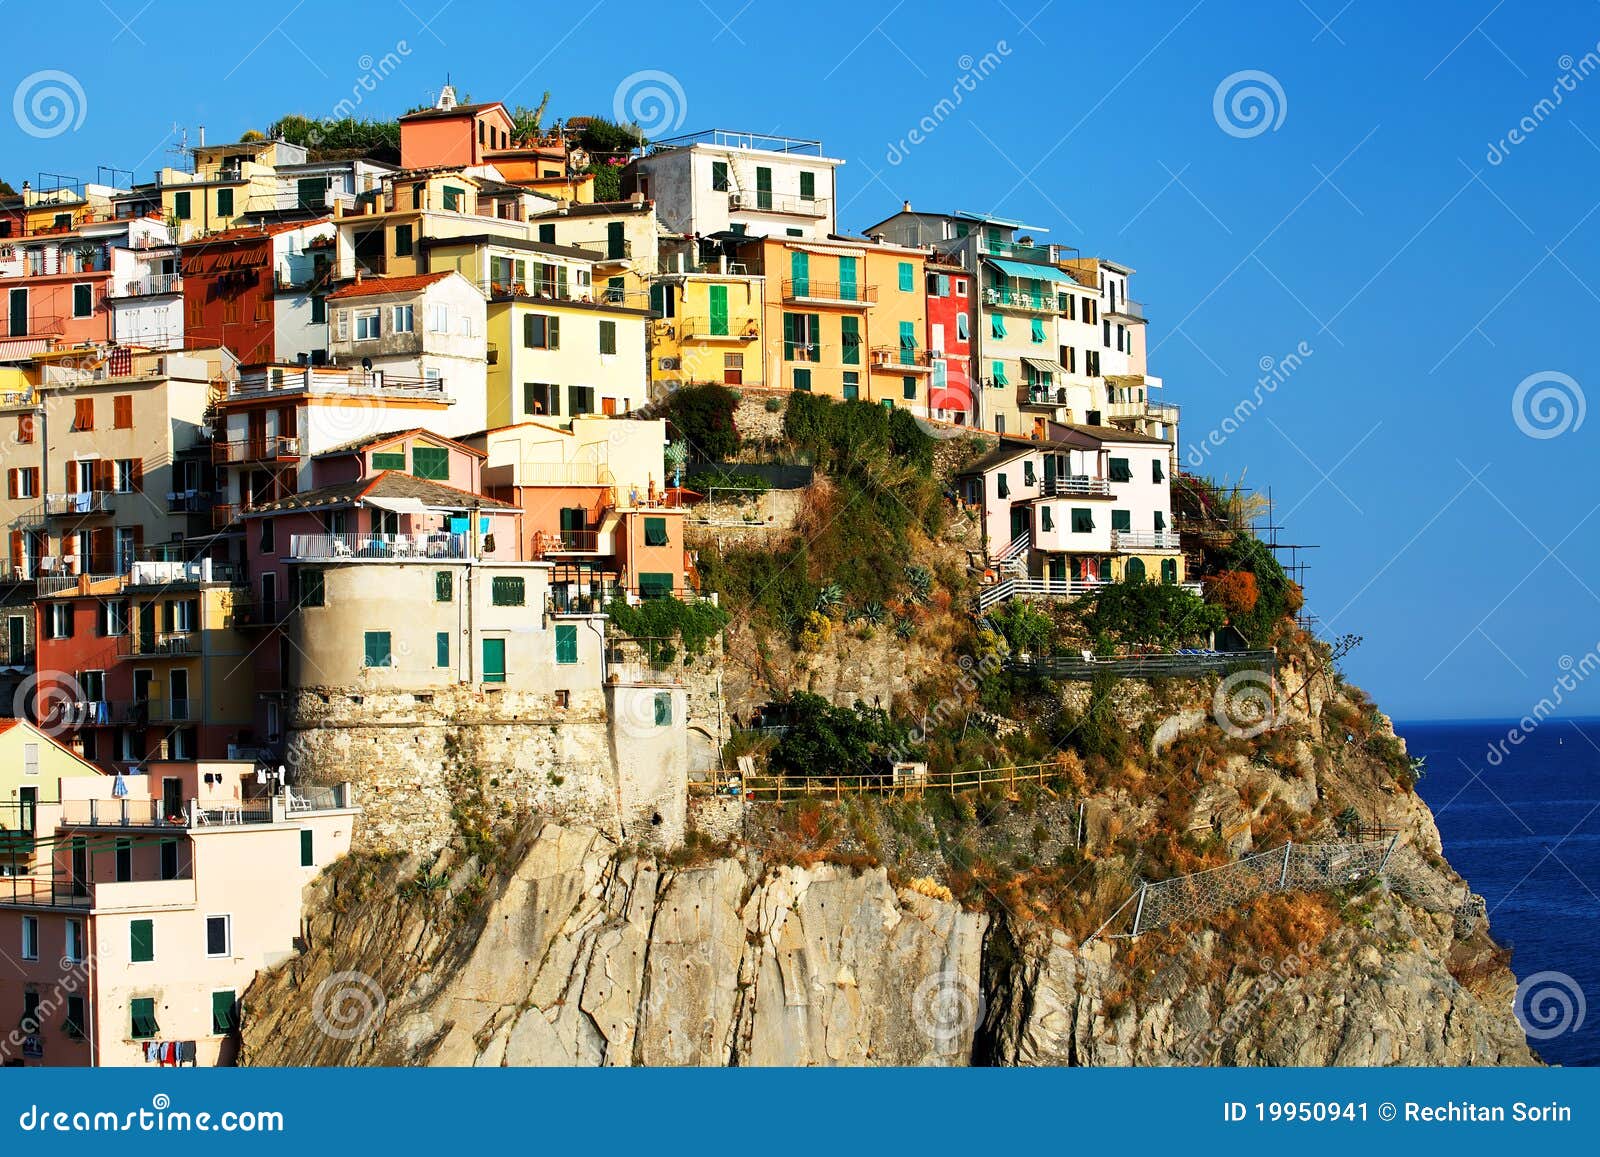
point(1134, 571)
point(1058, 568)
point(614, 241)
point(494, 660)
point(719, 309)
point(800, 273)
point(763, 188)
point(1019, 522)
point(847, 278)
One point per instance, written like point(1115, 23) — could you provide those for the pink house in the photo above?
point(163, 895)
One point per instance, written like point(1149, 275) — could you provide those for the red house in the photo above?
point(259, 291)
point(950, 321)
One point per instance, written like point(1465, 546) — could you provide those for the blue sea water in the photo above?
point(1526, 834)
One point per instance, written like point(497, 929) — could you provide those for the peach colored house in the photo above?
point(133, 942)
point(453, 134)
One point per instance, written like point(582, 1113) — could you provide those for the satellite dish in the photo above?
point(366, 364)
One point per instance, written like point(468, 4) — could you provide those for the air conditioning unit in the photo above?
point(670, 363)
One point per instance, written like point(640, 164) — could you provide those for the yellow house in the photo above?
point(707, 328)
point(226, 179)
point(65, 208)
point(384, 237)
point(845, 318)
point(32, 765)
point(621, 234)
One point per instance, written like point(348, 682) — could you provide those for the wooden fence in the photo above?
point(836, 787)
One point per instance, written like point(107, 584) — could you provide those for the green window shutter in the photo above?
point(908, 388)
point(847, 278)
point(319, 310)
point(389, 461)
point(850, 340)
point(547, 234)
point(441, 649)
point(1161, 521)
point(608, 337)
point(552, 326)
point(313, 589)
point(224, 202)
point(1133, 572)
point(509, 591)
point(1156, 473)
point(719, 176)
point(180, 206)
point(1027, 474)
point(402, 241)
point(82, 300)
point(655, 586)
point(530, 333)
point(808, 186)
point(663, 709)
point(963, 332)
point(1045, 521)
point(615, 242)
point(999, 370)
point(908, 343)
point(800, 272)
point(789, 320)
point(763, 187)
point(1038, 329)
point(142, 1018)
point(718, 295)
point(141, 941)
point(1004, 487)
point(566, 643)
point(1169, 571)
point(852, 385)
point(376, 651)
point(908, 277)
point(444, 586)
point(655, 532)
point(431, 462)
point(308, 848)
point(1121, 520)
point(997, 325)
point(1120, 470)
point(658, 299)
point(1105, 570)
point(222, 1005)
point(1082, 520)
point(802, 380)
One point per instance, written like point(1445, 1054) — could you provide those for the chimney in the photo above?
point(906, 207)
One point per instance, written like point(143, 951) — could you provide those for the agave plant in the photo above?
point(829, 597)
point(874, 613)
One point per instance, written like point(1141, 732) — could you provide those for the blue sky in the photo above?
point(1368, 222)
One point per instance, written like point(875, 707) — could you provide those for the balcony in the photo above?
point(156, 286)
point(281, 448)
point(325, 381)
point(899, 360)
point(83, 502)
point(163, 644)
point(1017, 251)
point(552, 544)
point(718, 329)
point(1005, 297)
point(1074, 486)
point(761, 201)
point(1144, 540)
point(1128, 308)
point(143, 712)
point(224, 515)
point(188, 501)
point(378, 547)
point(806, 289)
point(1050, 397)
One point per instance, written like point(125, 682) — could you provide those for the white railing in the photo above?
point(531, 473)
point(1062, 485)
point(83, 502)
point(1144, 539)
point(377, 547)
point(316, 380)
point(150, 286)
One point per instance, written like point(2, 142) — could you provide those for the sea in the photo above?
point(1521, 821)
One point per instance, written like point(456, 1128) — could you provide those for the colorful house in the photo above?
point(950, 388)
point(707, 328)
point(260, 291)
point(452, 134)
point(32, 764)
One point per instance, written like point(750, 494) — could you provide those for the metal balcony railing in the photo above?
point(79, 503)
point(897, 358)
point(281, 448)
point(377, 547)
point(761, 201)
point(1073, 485)
point(1005, 297)
point(1144, 539)
point(810, 289)
point(734, 328)
point(177, 644)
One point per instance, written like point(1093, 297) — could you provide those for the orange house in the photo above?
point(451, 134)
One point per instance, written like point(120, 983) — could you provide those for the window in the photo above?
point(366, 325)
point(1106, 339)
point(141, 941)
point(169, 859)
point(401, 319)
point(83, 300)
point(265, 544)
point(72, 1027)
point(25, 429)
point(663, 708)
point(389, 460)
point(566, 643)
point(801, 337)
point(224, 202)
point(432, 462)
point(124, 861)
point(655, 532)
point(997, 325)
point(1027, 473)
point(341, 325)
point(74, 942)
point(443, 586)
point(1156, 474)
point(30, 938)
point(222, 1006)
point(850, 340)
point(1003, 487)
point(122, 412)
point(1038, 329)
point(998, 370)
point(1120, 470)
point(608, 337)
point(580, 400)
point(719, 176)
point(58, 624)
point(1169, 571)
point(83, 414)
point(1121, 520)
point(180, 206)
point(439, 318)
point(441, 649)
point(541, 332)
point(126, 475)
point(1046, 522)
point(142, 1015)
point(908, 388)
point(494, 660)
point(852, 385)
point(313, 589)
point(452, 199)
point(547, 234)
point(963, 330)
point(377, 653)
point(655, 586)
point(908, 277)
point(540, 398)
point(1082, 520)
point(219, 935)
point(308, 858)
point(1160, 520)
point(508, 591)
point(23, 482)
point(802, 380)
point(113, 618)
point(402, 241)
point(808, 186)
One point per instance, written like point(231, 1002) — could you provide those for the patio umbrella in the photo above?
point(119, 789)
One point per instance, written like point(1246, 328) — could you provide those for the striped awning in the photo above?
point(1031, 272)
point(1044, 366)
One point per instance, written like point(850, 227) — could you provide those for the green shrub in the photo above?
point(1139, 612)
point(826, 740)
point(694, 623)
point(703, 416)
